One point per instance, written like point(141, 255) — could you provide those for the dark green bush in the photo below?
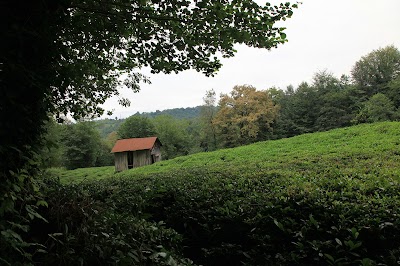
point(240, 218)
point(84, 230)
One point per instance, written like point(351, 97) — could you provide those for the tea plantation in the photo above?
point(329, 198)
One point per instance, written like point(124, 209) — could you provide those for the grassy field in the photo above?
point(328, 198)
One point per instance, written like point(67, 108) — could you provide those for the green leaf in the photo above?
point(42, 203)
point(330, 258)
point(313, 221)
point(280, 226)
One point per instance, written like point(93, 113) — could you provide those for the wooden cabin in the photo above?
point(135, 152)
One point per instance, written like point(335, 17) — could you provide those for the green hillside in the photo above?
point(341, 148)
point(327, 198)
point(360, 147)
point(178, 113)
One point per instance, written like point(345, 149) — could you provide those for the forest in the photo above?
point(246, 115)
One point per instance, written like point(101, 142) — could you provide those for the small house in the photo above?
point(135, 152)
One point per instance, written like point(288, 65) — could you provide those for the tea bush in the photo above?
point(319, 199)
point(83, 230)
point(226, 218)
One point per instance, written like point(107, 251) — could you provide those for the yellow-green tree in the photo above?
point(245, 116)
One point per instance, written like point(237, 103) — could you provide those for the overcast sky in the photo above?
point(322, 34)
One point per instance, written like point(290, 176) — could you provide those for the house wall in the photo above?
point(156, 152)
point(121, 161)
point(141, 158)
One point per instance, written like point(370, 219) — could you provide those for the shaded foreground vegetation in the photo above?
point(322, 198)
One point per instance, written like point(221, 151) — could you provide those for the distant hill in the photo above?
point(178, 113)
point(106, 126)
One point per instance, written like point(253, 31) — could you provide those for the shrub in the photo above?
point(83, 230)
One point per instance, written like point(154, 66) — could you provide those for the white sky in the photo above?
point(322, 34)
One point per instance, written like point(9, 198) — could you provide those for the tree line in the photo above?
point(247, 115)
point(370, 94)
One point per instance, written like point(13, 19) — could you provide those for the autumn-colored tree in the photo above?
point(245, 116)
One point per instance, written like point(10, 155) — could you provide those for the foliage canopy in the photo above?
point(376, 69)
point(90, 44)
point(244, 116)
point(136, 126)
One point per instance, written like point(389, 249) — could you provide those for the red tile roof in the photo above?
point(134, 144)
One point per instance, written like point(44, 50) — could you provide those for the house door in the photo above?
point(130, 159)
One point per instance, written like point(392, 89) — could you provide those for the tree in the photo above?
point(373, 71)
point(325, 104)
point(104, 155)
point(81, 145)
point(112, 139)
point(136, 126)
point(90, 44)
point(173, 136)
point(195, 131)
point(208, 111)
point(245, 116)
point(378, 108)
point(281, 98)
point(334, 103)
point(302, 112)
point(62, 57)
point(393, 91)
point(51, 154)
point(337, 110)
